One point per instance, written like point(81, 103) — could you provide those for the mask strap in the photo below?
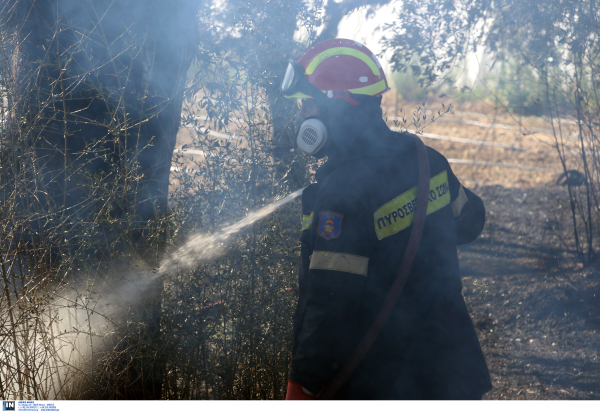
point(346, 96)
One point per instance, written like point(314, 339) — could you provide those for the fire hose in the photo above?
point(402, 275)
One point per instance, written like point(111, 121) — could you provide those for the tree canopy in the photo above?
point(432, 36)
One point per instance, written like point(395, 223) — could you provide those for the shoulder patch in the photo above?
point(330, 224)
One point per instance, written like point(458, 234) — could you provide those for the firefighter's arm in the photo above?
point(469, 215)
point(467, 207)
point(336, 280)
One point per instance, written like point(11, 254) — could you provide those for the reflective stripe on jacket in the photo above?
point(356, 224)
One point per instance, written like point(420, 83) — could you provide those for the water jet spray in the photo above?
point(83, 324)
point(202, 247)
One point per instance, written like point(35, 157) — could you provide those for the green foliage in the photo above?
point(511, 85)
point(440, 34)
point(235, 313)
point(547, 53)
point(407, 86)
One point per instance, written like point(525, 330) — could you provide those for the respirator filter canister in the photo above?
point(312, 136)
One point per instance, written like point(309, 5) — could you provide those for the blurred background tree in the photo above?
point(550, 50)
point(95, 92)
point(100, 88)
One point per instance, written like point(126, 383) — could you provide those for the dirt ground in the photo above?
point(535, 307)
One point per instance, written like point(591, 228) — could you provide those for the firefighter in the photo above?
point(355, 228)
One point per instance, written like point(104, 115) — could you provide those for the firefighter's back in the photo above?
point(428, 348)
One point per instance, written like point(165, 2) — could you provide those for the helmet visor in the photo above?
point(294, 82)
point(288, 79)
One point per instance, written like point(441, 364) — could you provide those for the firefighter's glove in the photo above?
point(295, 392)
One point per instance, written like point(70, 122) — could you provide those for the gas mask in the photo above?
point(311, 135)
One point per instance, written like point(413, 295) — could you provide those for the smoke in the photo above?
point(84, 319)
point(202, 247)
point(122, 70)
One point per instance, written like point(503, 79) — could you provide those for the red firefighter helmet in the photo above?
point(336, 67)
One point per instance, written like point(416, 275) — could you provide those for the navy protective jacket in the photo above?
point(355, 228)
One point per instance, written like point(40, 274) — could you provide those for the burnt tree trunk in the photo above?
point(101, 89)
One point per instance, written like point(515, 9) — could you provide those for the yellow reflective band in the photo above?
point(342, 51)
point(306, 221)
point(341, 262)
point(398, 214)
point(459, 202)
point(370, 90)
